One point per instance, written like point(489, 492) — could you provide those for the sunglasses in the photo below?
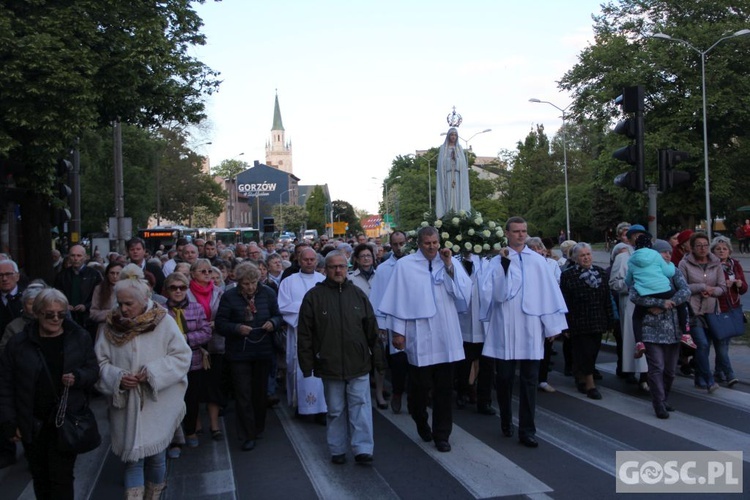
point(55, 315)
point(174, 288)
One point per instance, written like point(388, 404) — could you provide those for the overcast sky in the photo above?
point(360, 82)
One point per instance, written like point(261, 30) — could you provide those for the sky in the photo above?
point(361, 82)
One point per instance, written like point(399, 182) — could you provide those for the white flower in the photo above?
point(486, 247)
point(438, 223)
point(462, 213)
point(455, 221)
point(486, 233)
point(459, 237)
point(424, 223)
point(412, 233)
point(492, 224)
point(467, 245)
point(500, 233)
point(456, 249)
point(448, 244)
point(478, 221)
point(471, 232)
point(497, 246)
point(445, 235)
point(477, 248)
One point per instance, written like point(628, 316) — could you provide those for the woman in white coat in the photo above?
point(143, 360)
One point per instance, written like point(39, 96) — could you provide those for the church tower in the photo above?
point(278, 151)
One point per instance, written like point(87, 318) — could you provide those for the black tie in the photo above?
point(429, 262)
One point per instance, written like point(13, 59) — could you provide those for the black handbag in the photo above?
point(76, 432)
point(725, 325)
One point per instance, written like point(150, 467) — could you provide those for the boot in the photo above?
point(134, 493)
point(153, 491)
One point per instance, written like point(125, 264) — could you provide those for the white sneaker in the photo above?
point(544, 386)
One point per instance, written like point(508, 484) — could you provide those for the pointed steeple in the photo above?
point(277, 125)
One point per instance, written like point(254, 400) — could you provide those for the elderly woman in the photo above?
point(144, 361)
point(247, 317)
point(662, 331)
point(736, 284)
point(51, 352)
point(103, 299)
point(192, 321)
point(705, 278)
point(204, 292)
point(590, 314)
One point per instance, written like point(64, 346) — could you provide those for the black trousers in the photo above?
point(195, 390)
point(473, 351)
point(439, 379)
point(249, 380)
point(544, 364)
point(528, 378)
point(399, 365)
point(51, 469)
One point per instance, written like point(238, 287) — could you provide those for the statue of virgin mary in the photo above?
point(452, 177)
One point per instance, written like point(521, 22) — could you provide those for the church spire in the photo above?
point(277, 125)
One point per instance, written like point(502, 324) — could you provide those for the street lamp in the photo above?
point(429, 176)
point(466, 141)
point(742, 32)
point(565, 161)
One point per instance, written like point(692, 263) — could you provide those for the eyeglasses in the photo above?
point(175, 288)
point(365, 256)
point(701, 245)
point(203, 271)
point(50, 315)
point(7, 275)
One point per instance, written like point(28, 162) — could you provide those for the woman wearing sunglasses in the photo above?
point(192, 321)
point(53, 344)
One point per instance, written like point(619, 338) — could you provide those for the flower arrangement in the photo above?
point(467, 232)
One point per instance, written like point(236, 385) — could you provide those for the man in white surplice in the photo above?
point(421, 302)
point(523, 307)
point(304, 393)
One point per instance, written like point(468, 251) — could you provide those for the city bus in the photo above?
point(247, 234)
point(166, 236)
point(226, 236)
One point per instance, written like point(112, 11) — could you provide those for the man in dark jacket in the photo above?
point(77, 283)
point(338, 338)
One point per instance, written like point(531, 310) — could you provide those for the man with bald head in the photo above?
point(77, 283)
point(306, 394)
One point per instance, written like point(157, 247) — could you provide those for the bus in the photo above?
point(226, 236)
point(247, 234)
point(157, 236)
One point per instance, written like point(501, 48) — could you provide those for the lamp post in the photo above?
point(385, 183)
point(565, 161)
point(429, 177)
point(702, 53)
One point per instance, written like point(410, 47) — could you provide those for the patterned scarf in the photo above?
point(119, 331)
point(203, 295)
point(590, 276)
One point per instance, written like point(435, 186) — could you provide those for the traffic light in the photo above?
point(268, 225)
point(631, 127)
point(668, 177)
point(61, 206)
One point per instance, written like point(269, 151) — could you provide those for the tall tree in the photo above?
point(316, 209)
point(289, 217)
point(343, 211)
point(229, 169)
point(73, 66)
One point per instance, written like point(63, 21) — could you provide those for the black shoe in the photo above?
point(363, 458)
point(396, 403)
point(529, 441)
point(424, 432)
point(383, 406)
point(339, 459)
point(597, 375)
point(443, 446)
point(248, 445)
point(460, 402)
point(485, 409)
point(668, 406)
point(593, 393)
point(507, 430)
point(320, 418)
point(661, 412)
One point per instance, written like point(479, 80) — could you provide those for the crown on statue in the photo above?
point(454, 119)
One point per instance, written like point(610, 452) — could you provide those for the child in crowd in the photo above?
point(652, 276)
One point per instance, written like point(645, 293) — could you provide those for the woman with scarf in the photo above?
point(586, 291)
point(363, 271)
point(203, 292)
point(144, 361)
point(247, 317)
point(734, 275)
point(452, 177)
point(191, 319)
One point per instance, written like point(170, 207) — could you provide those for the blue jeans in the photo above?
point(723, 367)
point(703, 374)
point(349, 415)
point(153, 469)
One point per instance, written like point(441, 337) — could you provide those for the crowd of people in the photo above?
point(164, 335)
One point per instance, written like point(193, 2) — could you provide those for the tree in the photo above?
point(624, 54)
point(316, 209)
point(289, 217)
point(228, 169)
point(344, 212)
point(69, 67)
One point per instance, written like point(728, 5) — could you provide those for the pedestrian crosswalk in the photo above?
point(578, 441)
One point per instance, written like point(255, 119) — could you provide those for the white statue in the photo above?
point(452, 177)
